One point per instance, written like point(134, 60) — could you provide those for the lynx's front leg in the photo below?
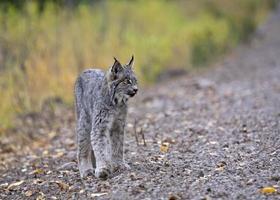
point(117, 139)
point(99, 142)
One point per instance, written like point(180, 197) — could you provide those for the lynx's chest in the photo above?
point(117, 119)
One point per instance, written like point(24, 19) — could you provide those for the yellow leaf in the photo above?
point(164, 147)
point(12, 186)
point(268, 190)
point(58, 154)
point(28, 193)
point(62, 185)
point(45, 152)
point(52, 134)
point(37, 171)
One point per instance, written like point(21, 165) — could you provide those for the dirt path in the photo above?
point(221, 132)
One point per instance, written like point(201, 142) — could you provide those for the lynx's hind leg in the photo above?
point(86, 158)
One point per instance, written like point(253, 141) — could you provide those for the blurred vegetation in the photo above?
point(45, 44)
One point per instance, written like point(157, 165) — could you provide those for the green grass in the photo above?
point(41, 53)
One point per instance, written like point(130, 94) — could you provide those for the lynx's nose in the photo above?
point(132, 92)
point(135, 89)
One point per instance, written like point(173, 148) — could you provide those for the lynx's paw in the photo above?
point(102, 172)
point(120, 166)
point(127, 166)
point(85, 168)
point(86, 172)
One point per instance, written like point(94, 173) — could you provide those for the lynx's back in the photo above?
point(88, 87)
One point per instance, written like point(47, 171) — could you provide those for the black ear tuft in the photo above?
point(131, 62)
point(117, 67)
point(116, 60)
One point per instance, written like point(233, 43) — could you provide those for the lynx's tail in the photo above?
point(78, 96)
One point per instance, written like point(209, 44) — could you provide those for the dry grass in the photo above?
point(42, 53)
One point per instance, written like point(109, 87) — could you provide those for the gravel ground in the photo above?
point(214, 135)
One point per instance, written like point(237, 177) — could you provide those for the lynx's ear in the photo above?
point(117, 67)
point(131, 62)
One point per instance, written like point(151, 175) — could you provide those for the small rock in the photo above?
point(275, 178)
point(68, 166)
point(71, 155)
point(250, 181)
point(98, 194)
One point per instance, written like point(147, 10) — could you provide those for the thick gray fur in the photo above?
point(101, 109)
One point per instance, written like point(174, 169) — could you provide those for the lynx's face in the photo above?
point(128, 83)
point(122, 81)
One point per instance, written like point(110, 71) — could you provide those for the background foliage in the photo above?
point(45, 44)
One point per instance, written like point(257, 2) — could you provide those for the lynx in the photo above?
point(101, 109)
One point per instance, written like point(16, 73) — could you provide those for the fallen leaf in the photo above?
point(268, 190)
point(275, 178)
point(133, 176)
point(12, 186)
point(38, 181)
point(166, 163)
point(41, 196)
point(69, 142)
point(221, 164)
point(45, 152)
point(220, 168)
point(169, 140)
point(23, 170)
point(28, 193)
point(98, 194)
point(37, 171)
point(52, 134)
point(4, 185)
point(62, 185)
point(156, 158)
point(68, 166)
point(250, 181)
point(173, 197)
point(213, 142)
point(58, 154)
point(164, 147)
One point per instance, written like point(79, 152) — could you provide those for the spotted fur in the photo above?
point(101, 109)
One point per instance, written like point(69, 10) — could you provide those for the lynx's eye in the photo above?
point(128, 81)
